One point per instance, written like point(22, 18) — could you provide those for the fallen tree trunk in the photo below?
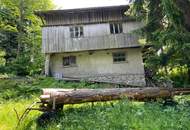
point(75, 96)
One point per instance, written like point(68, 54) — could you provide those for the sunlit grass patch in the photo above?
point(8, 118)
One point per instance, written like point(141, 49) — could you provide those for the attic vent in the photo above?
point(76, 32)
point(116, 28)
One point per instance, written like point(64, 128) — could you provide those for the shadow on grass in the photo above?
point(112, 115)
point(68, 114)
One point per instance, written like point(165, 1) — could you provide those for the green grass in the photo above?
point(122, 115)
point(8, 119)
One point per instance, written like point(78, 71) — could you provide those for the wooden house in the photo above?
point(95, 44)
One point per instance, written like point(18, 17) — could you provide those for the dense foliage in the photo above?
point(20, 36)
point(167, 29)
point(19, 88)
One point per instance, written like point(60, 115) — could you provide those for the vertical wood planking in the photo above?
point(85, 17)
point(96, 36)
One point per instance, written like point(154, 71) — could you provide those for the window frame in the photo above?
point(76, 31)
point(116, 28)
point(71, 61)
point(119, 57)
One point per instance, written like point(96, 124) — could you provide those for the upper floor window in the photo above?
point(119, 57)
point(76, 32)
point(116, 28)
point(69, 61)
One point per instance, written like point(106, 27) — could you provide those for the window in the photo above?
point(116, 28)
point(69, 61)
point(76, 32)
point(119, 57)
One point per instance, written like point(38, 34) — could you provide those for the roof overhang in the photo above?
point(81, 10)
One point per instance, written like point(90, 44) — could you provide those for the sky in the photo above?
point(70, 4)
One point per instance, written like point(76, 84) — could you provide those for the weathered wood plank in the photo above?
point(85, 16)
point(57, 43)
point(97, 36)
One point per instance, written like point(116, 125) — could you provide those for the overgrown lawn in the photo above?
point(117, 115)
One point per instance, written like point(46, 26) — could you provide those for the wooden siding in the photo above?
point(55, 45)
point(84, 16)
point(57, 39)
point(93, 17)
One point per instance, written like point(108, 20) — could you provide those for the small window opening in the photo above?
point(76, 32)
point(119, 57)
point(116, 28)
point(69, 61)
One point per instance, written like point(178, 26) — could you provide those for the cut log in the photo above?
point(75, 96)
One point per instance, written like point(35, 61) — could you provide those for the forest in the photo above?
point(167, 30)
point(165, 36)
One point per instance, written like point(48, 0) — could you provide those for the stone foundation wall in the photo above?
point(135, 80)
point(127, 79)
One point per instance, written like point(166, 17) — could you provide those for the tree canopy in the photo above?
point(167, 29)
point(20, 35)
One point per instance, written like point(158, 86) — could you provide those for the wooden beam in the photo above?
point(47, 64)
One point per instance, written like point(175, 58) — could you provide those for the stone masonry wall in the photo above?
point(126, 79)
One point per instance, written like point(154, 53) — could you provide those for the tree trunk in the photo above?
point(20, 27)
point(188, 73)
point(72, 96)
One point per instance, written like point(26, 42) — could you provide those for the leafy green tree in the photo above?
point(20, 35)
